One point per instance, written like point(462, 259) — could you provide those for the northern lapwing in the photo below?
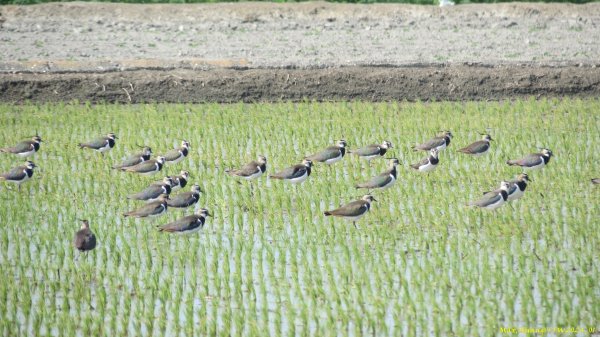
point(148, 167)
point(154, 191)
point(331, 154)
point(493, 200)
point(101, 144)
point(84, 239)
point(295, 174)
point(384, 180)
point(185, 199)
point(354, 210)
point(596, 181)
point(373, 151)
point(19, 174)
point(180, 181)
point(151, 209)
point(25, 148)
point(188, 224)
point(252, 170)
point(429, 163)
point(479, 147)
point(176, 155)
point(135, 158)
point(440, 142)
point(516, 188)
point(533, 161)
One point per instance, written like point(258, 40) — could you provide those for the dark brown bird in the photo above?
point(151, 209)
point(84, 240)
point(479, 147)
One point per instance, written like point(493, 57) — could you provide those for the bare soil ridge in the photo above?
point(264, 51)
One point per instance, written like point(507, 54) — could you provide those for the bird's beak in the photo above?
point(374, 199)
point(208, 214)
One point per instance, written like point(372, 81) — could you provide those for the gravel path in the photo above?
point(494, 46)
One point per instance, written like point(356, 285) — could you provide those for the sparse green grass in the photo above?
point(269, 263)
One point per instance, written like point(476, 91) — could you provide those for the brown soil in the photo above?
point(268, 52)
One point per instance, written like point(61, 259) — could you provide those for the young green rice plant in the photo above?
point(420, 262)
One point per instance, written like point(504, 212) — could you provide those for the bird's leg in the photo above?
point(354, 223)
point(19, 187)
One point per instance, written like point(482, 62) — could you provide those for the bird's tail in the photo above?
point(82, 145)
point(327, 213)
point(275, 177)
point(512, 162)
point(5, 150)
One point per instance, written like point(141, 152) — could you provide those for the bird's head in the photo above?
point(523, 177)
point(386, 144)
point(262, 159)
point(111, 136)
point(196, 188)
point(204, 212)
point(84, 224)
point(341, 143)
point(307, 162)
point(369, 198)
point(546, 152)
point(184, 174)
point(446, 134)
point(168, 181)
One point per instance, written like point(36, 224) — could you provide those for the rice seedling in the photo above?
point(269, 261)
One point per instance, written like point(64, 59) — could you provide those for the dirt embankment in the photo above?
point(269, 52)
